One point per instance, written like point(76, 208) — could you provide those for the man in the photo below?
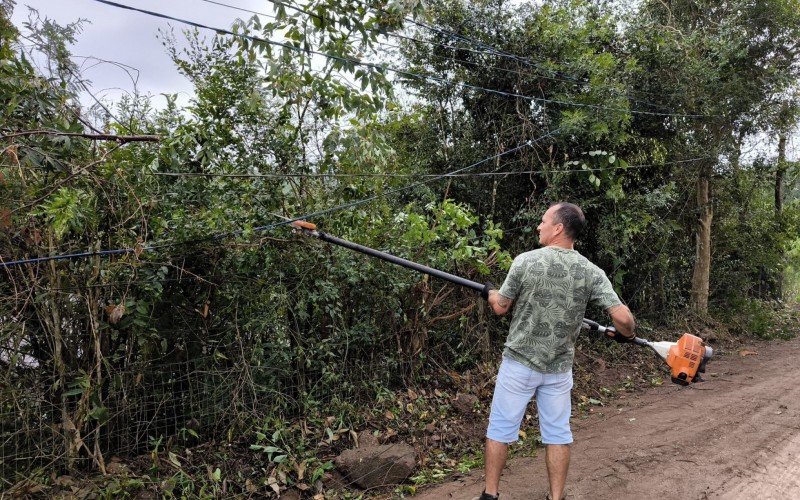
point(550, 288)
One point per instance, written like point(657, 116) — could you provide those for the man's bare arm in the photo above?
point(623, 319)
point(500, 304)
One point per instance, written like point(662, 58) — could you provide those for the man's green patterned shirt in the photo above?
point(551, 287)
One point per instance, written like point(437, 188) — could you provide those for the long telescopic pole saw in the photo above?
point(690, 347)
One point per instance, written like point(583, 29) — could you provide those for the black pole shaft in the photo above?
point(419, 267)
point(401, 262)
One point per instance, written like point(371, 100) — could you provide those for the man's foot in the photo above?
point(486, 496)
point(549, 497)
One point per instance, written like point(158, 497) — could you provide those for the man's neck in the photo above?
point(562, 243)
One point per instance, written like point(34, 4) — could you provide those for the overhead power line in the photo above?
point(400, 72)
point(122, 139)
point(268, 227)
point(483, 52)
point(490, 49)
point(420, 183)
point(400, 37)
point(401, 175)
point(70, 256)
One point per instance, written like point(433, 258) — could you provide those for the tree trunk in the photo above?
point(94, 326)
point(780, 174)
point(739, 191)
point(702, 263)
point(53, 320)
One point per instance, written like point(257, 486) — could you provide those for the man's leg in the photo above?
point(495, 460)
point(512, 392)
point(557, 458)
point(554, 406)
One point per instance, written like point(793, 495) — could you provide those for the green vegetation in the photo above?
point(220, 355)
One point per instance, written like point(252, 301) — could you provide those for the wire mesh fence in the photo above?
point(90, 373)
point(45, 430)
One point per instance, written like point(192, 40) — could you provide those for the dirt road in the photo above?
point(734, 436)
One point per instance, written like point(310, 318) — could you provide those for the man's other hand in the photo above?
point(614, 335)
point(624, 323)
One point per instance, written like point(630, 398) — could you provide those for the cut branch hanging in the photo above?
point(94, 137)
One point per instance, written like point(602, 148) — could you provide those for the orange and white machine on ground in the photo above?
point(686, 358)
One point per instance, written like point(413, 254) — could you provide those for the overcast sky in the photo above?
point(131, 38)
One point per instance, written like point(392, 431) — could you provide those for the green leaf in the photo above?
point(99, 413)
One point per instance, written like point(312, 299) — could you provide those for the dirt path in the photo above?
point(737, 435)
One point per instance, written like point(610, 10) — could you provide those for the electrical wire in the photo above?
point(494, 51)
point(399, 72)
point(388, 34)
point(404, 37)
point(393, 175)
point(432, 43)
point(536, 67)
point(561, 76)
point(268, 227)
point(82, 255)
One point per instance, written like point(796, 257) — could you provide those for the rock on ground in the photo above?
point(372, 466)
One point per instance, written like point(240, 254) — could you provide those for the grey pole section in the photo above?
point(452, 278)
point(478, 287)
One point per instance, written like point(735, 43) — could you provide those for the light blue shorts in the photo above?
point(516, 385)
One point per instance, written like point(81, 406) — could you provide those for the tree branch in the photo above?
point(122, 139)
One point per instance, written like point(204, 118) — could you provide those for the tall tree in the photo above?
point(721, 60)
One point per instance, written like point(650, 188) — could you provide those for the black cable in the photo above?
point(429, 42)
point(267, 227)
point(564, 77)
point(403, 37)
point(391, 175)
point(400, 72)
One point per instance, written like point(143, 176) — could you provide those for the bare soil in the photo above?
point(734, 436)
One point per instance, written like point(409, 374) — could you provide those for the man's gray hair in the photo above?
point(572, 217)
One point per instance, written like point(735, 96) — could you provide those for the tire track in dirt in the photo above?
point(777, 475)
point(737, 435)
